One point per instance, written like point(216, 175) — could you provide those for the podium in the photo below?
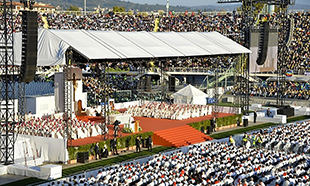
point(51, 171)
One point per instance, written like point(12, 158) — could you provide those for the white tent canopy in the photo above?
point(190, 95)
point(111, 45)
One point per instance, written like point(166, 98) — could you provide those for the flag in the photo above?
point(289, 73)
point(156, 24)
point(44, 19)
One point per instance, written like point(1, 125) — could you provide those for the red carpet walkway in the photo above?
point(148, 124)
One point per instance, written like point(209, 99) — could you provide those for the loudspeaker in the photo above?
point(245, 122)
point(202, 129)
point(289, 36)
point(209, 129)
point(263, 43)
point(148, 86)
point(172, 83)
point(29, 46)
point(82, 157)
point(286, 110)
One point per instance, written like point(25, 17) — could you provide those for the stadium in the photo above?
point(147, 99)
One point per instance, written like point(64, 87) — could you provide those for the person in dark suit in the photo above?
point(97, 154)
point(212, 124)
point(268, 112)
point(105, 152)
point(114, 146)
point(138, 143)
point(150, 143)
point(255, 116)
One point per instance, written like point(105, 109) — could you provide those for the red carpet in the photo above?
point(155, 125)
point(179, 136)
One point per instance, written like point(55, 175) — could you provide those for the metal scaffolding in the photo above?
point(68, 97)
point(21, 102)
point(283, 45)
point(215, 107)
point(247, 22)
point(7, 114)
point(105, 107)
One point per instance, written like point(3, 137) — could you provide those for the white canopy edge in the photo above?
point(111, 45)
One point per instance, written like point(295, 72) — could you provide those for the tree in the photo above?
point(119, 9)
point(73, 8)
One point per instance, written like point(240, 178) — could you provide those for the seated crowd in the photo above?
point(166, 111)
point(219, 163)
point(289, 138)
point(54, 128)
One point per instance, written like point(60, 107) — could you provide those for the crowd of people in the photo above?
point(96, 88)
point(229, 24)
point(278, 156)
point(292, 90)
point(55, 128)
point(289, 138)
point(164, 110)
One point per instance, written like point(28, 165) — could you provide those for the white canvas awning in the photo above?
point(111, 45)
point(190, 95)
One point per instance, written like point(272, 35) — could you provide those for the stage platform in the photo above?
point(147, 124)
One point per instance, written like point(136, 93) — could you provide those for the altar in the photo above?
point(76, 87)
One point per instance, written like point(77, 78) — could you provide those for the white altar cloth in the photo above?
point(50, 171)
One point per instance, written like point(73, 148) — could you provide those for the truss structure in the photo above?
point(243, 86)
point(7, 114)
point(68, 98)
point(215, 107)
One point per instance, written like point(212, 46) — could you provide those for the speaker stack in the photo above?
point(171, 83)
point(29, 46)
point(148, 86)
point(82, 157)
point(263, 43)
point(286, 110)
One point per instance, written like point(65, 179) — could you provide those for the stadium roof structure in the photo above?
point(110, 45)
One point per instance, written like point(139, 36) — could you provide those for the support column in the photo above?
point(7, 114)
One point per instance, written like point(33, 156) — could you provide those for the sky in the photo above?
point(192, 2)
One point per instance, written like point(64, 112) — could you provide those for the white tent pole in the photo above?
point(84, 7)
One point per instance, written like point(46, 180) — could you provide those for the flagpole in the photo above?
point(84, 7)
point(167, 6)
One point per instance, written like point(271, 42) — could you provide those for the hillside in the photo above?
point(91, 4)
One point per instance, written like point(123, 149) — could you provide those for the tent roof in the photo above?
point(190, 91)
point(111, 45)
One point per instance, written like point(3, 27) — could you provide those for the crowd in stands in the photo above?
point(280, 157)
point(292, 90)
point(55, 128)
point(96, 86)
point(166, 111)
point(229, 24)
